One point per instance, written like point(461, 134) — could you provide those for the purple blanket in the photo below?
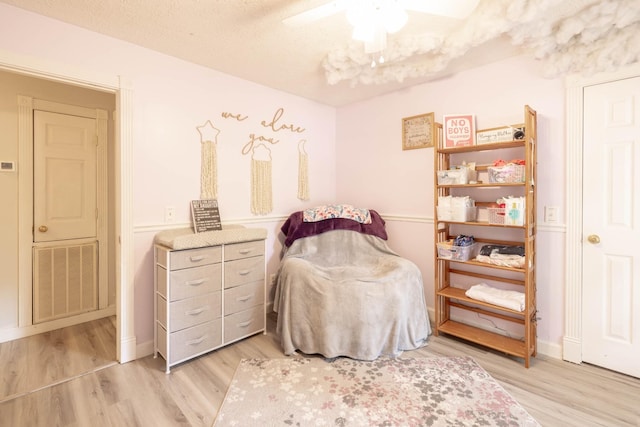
point(295, 228)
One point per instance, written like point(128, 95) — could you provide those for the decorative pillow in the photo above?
point(321, 213)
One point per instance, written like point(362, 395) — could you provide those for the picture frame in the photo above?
point(205, 215)
point(418, 131)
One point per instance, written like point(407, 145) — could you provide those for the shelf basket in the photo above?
point(496, 215)
point(506, 173)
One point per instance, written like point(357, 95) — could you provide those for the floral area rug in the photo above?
point(447, 391)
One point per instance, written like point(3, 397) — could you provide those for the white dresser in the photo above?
point(209, 290)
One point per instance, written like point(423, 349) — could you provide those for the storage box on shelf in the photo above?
point(461, 175)
point(506, 173)
point(447, 250)
point(496, 215)
point(459, 209)
point(458, 214)
point(516, 181)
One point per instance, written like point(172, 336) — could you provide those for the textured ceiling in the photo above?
point(247, 39)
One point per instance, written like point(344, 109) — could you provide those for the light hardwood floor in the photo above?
point(39, 361)
point(139, 393)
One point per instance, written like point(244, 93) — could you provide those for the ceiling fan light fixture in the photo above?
point(393, 16)
point(363, 32)
point(359, 11)
point(370, 17)
point(377, 43)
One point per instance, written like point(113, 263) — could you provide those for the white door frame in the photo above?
point(572, 340)
point(122, 87)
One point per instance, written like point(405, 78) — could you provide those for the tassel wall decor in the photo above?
point(303, 171)
point(209, 161)
point(261, 194)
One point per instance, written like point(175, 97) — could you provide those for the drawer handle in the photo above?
point(244, 272)
point(197, 258)
point(244, 324)
point(244, 251)
point(196, 282)
point(245, 298)
point(195, 311)
point(196, 341)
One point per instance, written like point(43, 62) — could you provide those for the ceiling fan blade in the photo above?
point(451, 8)
point(459, 9)
point(316, 13)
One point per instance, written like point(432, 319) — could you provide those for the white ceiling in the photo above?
point(247, 39)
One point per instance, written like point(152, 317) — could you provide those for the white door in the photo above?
point(64, 177)
point(65, 264)
point(611, 226)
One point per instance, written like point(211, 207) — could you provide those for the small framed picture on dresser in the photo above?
point(205, 215)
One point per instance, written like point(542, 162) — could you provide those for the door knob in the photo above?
point(43, 229)
point(594, 238)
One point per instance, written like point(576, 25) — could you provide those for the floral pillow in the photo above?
point(321, 213)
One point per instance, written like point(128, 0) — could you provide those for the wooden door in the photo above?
point(611, 226)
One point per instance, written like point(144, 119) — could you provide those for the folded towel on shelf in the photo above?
point(504, 255)
point(513, 300)
point(515, 261)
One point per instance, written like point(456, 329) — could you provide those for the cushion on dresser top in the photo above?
point(185, 238)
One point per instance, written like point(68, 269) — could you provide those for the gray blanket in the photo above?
point(344, 293)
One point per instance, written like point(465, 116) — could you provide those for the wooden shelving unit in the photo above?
point(449, 296)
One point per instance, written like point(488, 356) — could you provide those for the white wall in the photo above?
point(373, 171)
point(170, 99)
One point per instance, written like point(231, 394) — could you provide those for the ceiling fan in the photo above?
point(372, 20)
point(458, 9)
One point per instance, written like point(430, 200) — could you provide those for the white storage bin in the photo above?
point(451, 177)
point(447, 250)
point(463, 214)
point(456, 176)
point(444, 213)
point(458, 214)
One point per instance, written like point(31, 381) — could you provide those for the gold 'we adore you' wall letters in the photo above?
point(274, 124)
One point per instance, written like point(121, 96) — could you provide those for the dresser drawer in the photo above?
point(244, 323)
point(195, 281)
point(243, 250)
point(243, 297)
point(191, 311)
point(195, 340)
point(195, 257)
point(243, 271)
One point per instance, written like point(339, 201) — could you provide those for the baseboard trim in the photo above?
point(144, 349)
point(546, 348)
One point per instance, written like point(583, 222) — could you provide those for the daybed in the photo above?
point(341, 291)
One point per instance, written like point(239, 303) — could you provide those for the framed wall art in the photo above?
point(417, 131)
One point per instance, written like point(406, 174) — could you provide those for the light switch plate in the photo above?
point(169, 214)
point(551, 214)
point(7, 166)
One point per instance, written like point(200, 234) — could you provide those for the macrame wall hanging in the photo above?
point(261, 193)
point(209, 161)
point(303, 171)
